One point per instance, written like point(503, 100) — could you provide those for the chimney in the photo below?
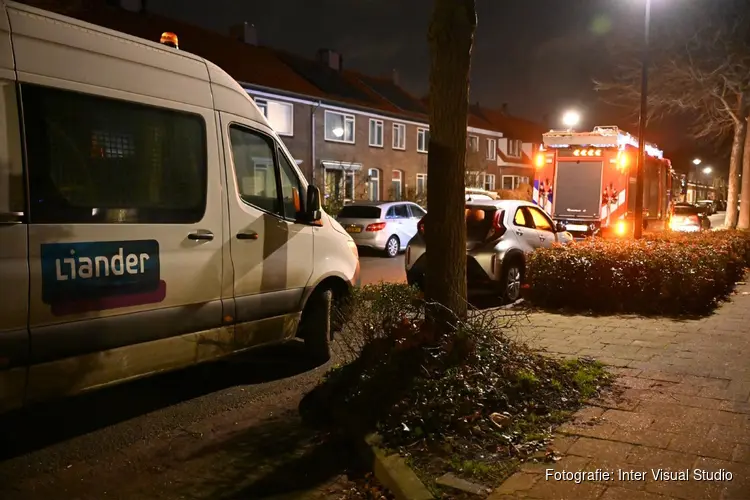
point(394, 77)
point(331, 58)
point(244, 32)
point(504, 108)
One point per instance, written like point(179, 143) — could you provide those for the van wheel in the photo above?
point(512, 280)
point(392, 246)
point(316, 326)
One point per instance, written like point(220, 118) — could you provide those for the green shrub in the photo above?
point(666, 273)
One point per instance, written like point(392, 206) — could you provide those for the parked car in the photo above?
point(380, 225)
point(499, 234)
point(686, 217)
point(709, 206)
point(480, 194)
point(166, 224)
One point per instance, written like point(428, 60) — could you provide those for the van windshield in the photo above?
point(359, 212)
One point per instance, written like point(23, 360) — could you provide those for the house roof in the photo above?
point(511, 126)
point(258, 65)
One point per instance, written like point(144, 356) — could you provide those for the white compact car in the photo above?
point(384, 226)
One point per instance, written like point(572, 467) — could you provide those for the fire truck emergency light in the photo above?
point(587, 152)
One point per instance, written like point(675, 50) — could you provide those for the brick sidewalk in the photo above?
point(685, 406)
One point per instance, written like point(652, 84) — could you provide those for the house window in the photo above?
point(491, 149)
point(94, 160)
point(280, 115)
point(423, 140)
point(473, 179)
point(421, 184)
point(514, 148)
point(514, 181)
point(473, 143)
point(376, 133)
point(396, 185)
point(339, 127)
point(399, 136)
point(489, 182)
point(374, 184)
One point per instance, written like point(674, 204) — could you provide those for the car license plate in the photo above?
point(353, 229)
point(576, 227)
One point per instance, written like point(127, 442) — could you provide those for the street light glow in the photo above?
point(697, 161)
point(707, 170)
point(571, 119)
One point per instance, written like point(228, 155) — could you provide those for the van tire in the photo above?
point(316, 326)
point(392, 246)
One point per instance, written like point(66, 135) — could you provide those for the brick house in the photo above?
point(353, 135)
point(517, 149)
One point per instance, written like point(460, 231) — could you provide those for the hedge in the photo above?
point(661, 274)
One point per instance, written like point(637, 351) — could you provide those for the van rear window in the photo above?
point(360, 212)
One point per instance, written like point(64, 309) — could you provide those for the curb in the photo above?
point(391, 470)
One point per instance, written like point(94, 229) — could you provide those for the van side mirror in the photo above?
point(313, 207)
point(560, 227)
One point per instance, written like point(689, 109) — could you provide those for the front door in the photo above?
point(125, 234)
point(272, 254)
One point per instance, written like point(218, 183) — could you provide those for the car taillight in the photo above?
point(420, 225)
point(377, 226)
point(498, 229)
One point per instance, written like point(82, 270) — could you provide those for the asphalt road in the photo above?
point(375, 267)
point(717, 220)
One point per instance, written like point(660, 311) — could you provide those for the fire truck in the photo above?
point(586, 181)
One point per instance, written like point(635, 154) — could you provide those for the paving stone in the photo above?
point(621, 351)
point(616, 362)
point(626, 372)
point(690, 390)
point(568, 462)
point(735, 406)
point(726, 433)
point(520, 481)
point(719, 383)
point(588, 413)
point(619, 493)
point(643, 437)
point(600, 449)
point(661, 376)
point(680, 426)
point(688, 490)
point(741, 453)
point(600, 430)
point(705, 447)
point(562, 443)
point(628, 420)
point(656, 458)
point(565, 490)
point(635, 382)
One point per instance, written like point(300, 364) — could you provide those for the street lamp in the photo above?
point(707, 170)
point(697, 161)
point(571, 118)
point(641, 167)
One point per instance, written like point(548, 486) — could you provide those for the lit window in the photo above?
point(339, 127)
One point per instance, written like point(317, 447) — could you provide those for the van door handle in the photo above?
point(208, 236)
point(250, 235)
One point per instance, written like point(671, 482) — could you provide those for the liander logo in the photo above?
point(95, 276)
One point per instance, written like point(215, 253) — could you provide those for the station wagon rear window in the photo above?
point(98, 160)
point(360, 212)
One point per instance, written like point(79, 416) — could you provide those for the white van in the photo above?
point(149, 216)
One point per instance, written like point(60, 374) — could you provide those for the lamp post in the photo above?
point(641, 166)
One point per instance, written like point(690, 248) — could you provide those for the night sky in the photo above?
point(538, 56)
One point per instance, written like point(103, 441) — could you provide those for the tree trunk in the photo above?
point(744, 218)
point(730, 219)
point(451, 38)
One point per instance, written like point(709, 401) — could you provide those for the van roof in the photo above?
point(33, 27)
